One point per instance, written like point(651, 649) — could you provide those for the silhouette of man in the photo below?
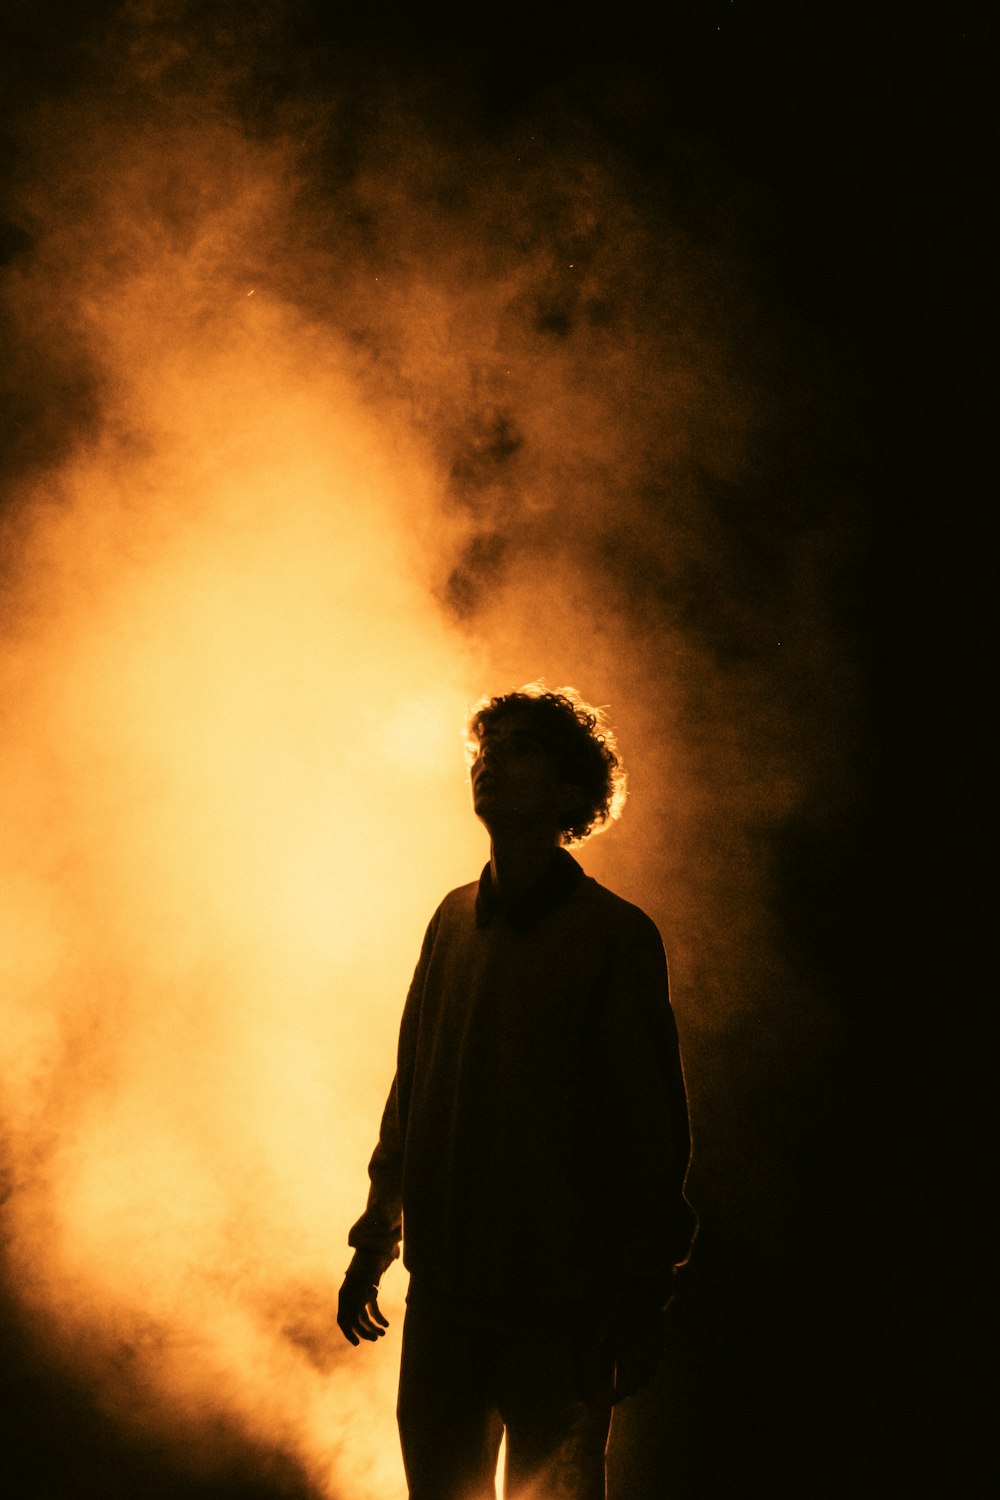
point(534, 1145)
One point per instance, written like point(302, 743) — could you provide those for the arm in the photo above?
point(375, 1238)
point(376, 1235)
point(647, 1141)
point(643, 1151)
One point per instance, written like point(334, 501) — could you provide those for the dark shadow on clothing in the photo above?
point(461, 1387)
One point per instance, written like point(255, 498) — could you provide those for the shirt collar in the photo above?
point(556, 886)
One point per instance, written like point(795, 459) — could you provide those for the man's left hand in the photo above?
point(636, 1347)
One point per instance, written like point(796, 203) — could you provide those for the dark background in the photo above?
point(847, 155)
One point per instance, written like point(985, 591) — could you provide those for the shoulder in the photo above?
point(457, 909)
point(615, 910)
point(461, 899)
point(620, 920)
point(452, 924)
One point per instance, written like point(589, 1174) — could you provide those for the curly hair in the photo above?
point(582, 740)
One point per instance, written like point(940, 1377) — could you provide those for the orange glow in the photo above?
point(237, 794)
point(234, 696)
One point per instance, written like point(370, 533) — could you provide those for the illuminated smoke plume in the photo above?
point(328, 429)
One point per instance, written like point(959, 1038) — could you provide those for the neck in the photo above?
point(517, 862)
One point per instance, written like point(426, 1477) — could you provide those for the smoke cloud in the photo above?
point(333, 415)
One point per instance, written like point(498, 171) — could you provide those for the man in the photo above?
point(534, 1144)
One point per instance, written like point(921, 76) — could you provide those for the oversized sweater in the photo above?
point(535, 1140)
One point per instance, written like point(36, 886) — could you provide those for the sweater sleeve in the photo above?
point(645, 1143)
point(376, 1235)
point(375, 1238)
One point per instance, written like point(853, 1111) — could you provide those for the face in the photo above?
point(515, 779)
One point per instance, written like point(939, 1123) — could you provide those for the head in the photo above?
point(548, 756)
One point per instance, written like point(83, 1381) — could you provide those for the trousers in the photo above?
point(546, 1385)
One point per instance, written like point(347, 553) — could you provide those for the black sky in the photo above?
point(837, 154)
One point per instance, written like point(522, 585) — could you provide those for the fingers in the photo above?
point(359, 1315)
point(370, 1323)
point(636, 1359)
point(347, 1318)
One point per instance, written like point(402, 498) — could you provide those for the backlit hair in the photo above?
point(580, 737)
